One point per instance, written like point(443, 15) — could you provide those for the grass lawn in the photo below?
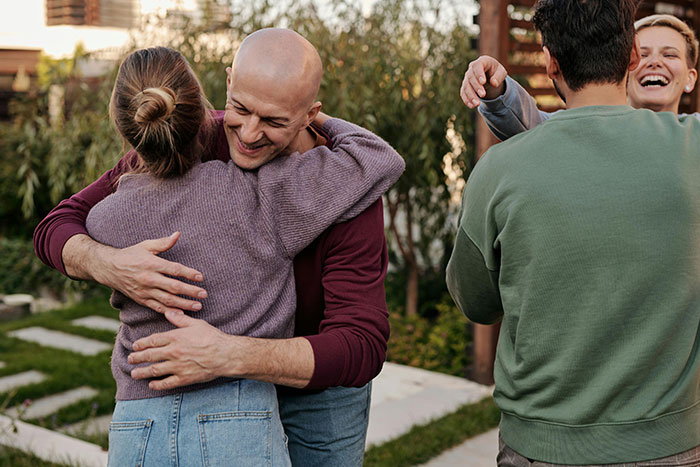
point(64, 370)
point(67, 370)
point(424, 442)
point(14, 458)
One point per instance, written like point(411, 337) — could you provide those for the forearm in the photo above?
point(82, 257)
point(289, 362)
point(198, 352)
point(350, 355)
point(512, 112)
point(329, 185)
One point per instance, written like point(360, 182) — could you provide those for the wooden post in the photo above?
point(696, 23)
point(494, 41)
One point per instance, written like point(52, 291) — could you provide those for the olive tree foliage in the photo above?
point(45, 159)
point(395, 70)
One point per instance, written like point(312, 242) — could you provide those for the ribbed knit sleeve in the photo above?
point(305, 194)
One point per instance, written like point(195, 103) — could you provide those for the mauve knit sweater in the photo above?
point(266, 216)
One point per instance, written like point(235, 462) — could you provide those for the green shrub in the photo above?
point(438, 344)
point(23, 272)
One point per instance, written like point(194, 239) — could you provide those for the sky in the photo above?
point(23, 26)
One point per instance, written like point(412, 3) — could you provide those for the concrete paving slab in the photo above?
point(50, 445)
point(61, 340)
point(91, 426)
point(51, 404)
point(98, 322)
point(8, 383)
point(480, 451)
point(18, 299)
point(404, 396)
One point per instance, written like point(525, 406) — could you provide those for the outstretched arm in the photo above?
point(504, 104)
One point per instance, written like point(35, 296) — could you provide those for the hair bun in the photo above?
point(154, 104)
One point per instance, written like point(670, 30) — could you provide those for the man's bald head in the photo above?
point(283, 60)
point(271, 97)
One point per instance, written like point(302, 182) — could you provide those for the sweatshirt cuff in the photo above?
point(329, 361)
point(502, 102)
point(59, 237)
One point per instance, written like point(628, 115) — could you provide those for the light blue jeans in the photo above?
point(235, 423)
point(327, 429)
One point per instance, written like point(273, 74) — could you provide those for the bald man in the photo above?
point(341, 309)
point(268, 107)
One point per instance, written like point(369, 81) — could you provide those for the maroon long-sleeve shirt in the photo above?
point(341, 303)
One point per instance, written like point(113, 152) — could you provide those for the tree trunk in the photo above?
point(407, 248)
point(411, 289)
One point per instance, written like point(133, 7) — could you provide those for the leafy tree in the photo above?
point(396, 71)
point(44, 161)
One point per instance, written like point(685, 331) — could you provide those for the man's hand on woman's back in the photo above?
point(137, 272)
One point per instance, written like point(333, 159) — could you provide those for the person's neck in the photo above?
point(674, 107)
point(597, 94)
point(306, 140)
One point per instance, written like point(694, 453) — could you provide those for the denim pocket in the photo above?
point(127, 443)
point(236, 438)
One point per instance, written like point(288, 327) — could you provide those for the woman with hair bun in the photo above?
point(241, 229)
point(158, 107)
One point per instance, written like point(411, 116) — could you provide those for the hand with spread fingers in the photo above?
point(137, 272)
point(195, 352)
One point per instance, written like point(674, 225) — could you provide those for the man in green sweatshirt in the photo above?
point(583, 237)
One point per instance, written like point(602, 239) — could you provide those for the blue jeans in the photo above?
point(235, 423)
point(327, 429)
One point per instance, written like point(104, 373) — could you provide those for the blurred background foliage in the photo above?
point(396, 71)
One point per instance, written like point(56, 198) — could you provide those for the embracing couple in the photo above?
point(263, 223)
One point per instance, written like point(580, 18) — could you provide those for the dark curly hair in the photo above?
point(591, 39)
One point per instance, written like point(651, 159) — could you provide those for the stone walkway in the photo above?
point(404, 396)
point(60, 340)
point(97, 322)
point(50, 445)
point(401, 398)
point(480, 451)
point(51, 404)
point(9, 383)
point(43, 443)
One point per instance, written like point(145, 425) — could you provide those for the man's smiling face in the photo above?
point(260, 120)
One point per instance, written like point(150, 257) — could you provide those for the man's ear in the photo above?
point(313, 111)
point(635, 55)
point(551, 64)
point(228, 76)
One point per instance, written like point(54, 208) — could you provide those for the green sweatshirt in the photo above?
point(583, 236)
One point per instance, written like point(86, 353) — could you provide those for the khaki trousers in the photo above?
point(509, 458)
